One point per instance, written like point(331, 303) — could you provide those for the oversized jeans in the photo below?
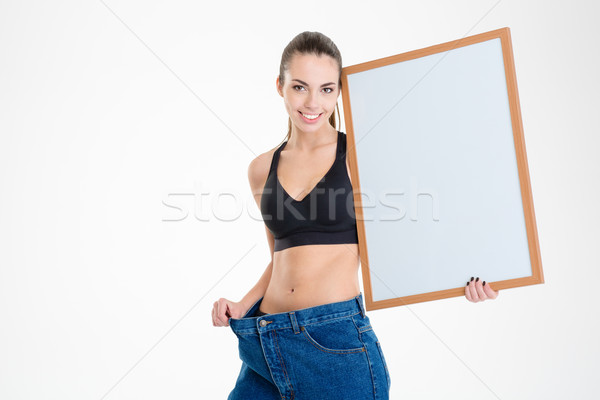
point(329, 351)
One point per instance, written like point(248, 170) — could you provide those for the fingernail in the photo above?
point(468, 283)
point(477, 279)
point(483, 283)
point(472, 279)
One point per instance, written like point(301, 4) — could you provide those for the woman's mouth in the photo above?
point(310, 118)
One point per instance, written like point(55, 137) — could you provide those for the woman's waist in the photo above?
point(300, 299)
point(288, 294)
point(313, 269)
point(301, 316)
point(306, 276)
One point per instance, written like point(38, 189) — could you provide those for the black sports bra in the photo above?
point(324, 216)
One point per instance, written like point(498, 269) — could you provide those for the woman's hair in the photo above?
point(310, 43)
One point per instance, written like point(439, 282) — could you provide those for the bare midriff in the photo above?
point(311, 275)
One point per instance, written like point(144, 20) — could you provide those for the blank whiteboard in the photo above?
point(439, 170)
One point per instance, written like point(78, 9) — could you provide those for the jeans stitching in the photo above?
point(255, 331)
point(327, 350)
point(283, 365)
point(370, 368)
point(387, 373)
point(317, 320)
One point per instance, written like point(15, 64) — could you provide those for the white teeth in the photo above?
point(310, 116)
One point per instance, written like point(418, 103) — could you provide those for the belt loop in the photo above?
point(361, 305)
point(292, 315)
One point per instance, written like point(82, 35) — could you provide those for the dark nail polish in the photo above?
point(468, 283)
point(476, 280)
point(472, 279)
point(483, 283)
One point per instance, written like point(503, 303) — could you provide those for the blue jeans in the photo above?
point(326, 352)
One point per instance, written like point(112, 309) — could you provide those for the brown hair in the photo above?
point(310, 43)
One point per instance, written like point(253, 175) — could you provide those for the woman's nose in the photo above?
point(311, 100)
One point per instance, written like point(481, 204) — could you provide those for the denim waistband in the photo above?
point(294, 319)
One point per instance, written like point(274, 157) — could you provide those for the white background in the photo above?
point(116, 116)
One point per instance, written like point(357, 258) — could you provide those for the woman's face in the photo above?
point(310, 90)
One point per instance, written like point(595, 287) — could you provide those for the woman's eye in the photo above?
point(299, 87)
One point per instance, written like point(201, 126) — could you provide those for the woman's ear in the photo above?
point(279, 89)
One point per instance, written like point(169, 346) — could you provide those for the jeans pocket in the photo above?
point(337, 337)
point(387, 373)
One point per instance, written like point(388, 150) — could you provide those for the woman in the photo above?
point(302, 329)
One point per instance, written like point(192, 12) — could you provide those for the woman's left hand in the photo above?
point(475, 291)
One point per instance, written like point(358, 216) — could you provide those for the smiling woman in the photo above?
point(302, 329)
point(327, 87)
point(304, 104)
point(314, 55)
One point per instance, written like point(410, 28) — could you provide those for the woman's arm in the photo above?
point(258, 170)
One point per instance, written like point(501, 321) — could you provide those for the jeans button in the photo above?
point(263, 323)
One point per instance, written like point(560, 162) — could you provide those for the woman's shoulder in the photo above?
point(258, 169)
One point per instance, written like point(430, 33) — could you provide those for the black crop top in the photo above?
point(324, 216)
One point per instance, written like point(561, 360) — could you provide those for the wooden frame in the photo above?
point(363, 77)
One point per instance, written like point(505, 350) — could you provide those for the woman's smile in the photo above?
point(310, 118)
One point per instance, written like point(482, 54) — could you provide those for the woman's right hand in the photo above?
point(223, 309)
